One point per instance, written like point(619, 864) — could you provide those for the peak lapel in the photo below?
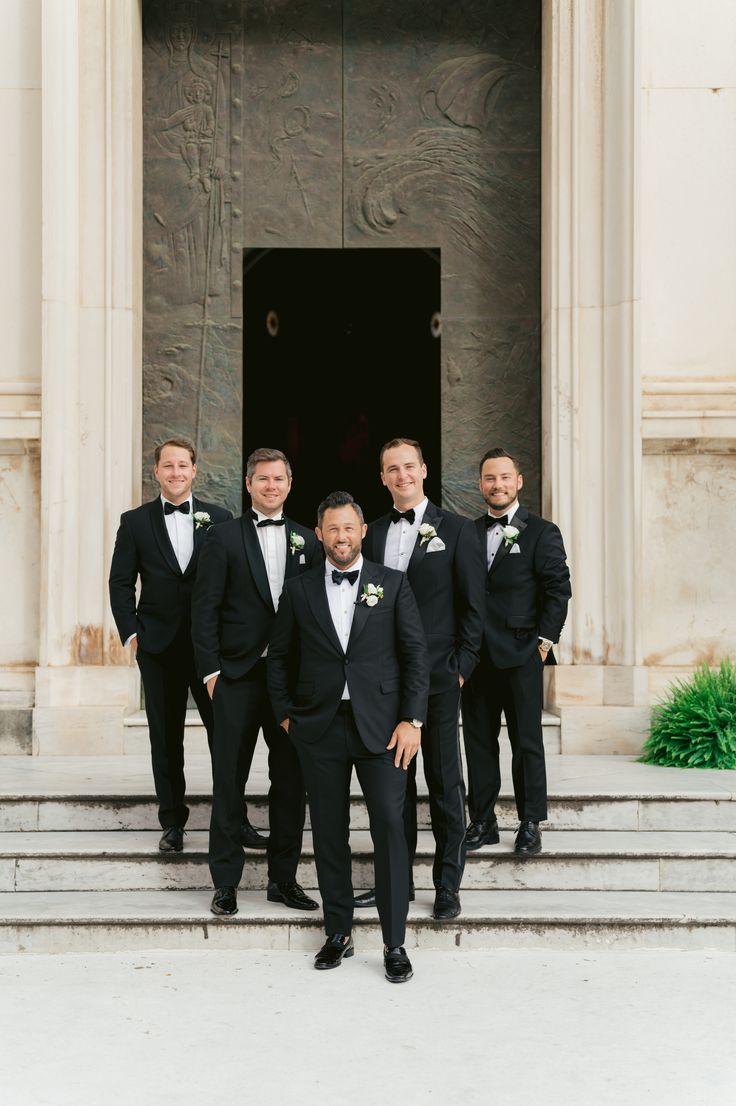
point(432, 516)
point(314, 589)
point(254, 557)
point(161, 534)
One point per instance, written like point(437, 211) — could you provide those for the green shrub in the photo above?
point(695, 725)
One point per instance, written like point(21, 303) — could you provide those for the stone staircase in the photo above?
point(635, 857)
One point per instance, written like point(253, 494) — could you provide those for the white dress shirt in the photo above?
point(402, 537)
point(181, 532)
point(494, 535)
point(342, 599)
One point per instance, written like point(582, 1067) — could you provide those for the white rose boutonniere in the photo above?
point(296, 542)
point(202, 520)
point(371, 594)
point(510, 534)
point(426, 533)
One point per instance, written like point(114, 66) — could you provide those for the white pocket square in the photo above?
point(302, 559)
point(514, 549)
point(436, 545)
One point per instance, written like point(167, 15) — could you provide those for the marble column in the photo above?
point(91, 363)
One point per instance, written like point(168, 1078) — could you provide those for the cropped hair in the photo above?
point(178, 443)
point(491, 454)
point(338, 499)
point(260, 455)
point(395, 442)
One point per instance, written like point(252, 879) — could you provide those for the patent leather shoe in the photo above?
point(251, 838)
point(290, 894)
point(397, 965)
point(224, 901)
point(336, 948)
point(481, 833)
point(368, 898)
point(528, 839)
point(172, 840)
point(446, 905)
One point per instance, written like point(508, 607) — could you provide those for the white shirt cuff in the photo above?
point(130, 639)
point(207, 678)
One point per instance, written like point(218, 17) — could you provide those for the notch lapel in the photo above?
point(254, 557)
point(314, 589)
point(503, 549)
point(161, 534)
point(433, 516)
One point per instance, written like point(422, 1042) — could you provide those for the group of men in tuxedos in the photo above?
point(349, 647)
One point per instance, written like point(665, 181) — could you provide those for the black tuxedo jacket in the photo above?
point(232, 609)
point(527, 593)
point(448, 588)
point(385, 664)
point(143, 548)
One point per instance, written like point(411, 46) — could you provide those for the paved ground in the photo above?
point(263, 1028)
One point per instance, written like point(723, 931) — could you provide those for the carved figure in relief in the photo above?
point(197, 122)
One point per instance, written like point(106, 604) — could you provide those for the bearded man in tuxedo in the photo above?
point(239, 583)
point(527, 591)
point(348, 678)
point(439, 553)
point(160, 542)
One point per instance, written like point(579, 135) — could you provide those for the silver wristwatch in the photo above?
point(415, 723)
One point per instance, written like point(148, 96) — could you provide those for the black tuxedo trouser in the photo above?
point(242, 708)
point(328, 765)
point(518, 692)
point(443, 771)
point(167, 679)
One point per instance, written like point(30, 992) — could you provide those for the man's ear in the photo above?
point(318, 532)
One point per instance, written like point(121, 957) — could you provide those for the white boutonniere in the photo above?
point(202, 520)
point(510, 535)
point(296, 542)
point(371, 594)
point(426, 533)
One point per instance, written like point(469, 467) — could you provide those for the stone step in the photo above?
point(95, 921)
point(576, 861)
point(586, 792)
point(136, 743)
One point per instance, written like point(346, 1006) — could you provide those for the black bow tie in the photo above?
point(169, 508)
point(351, 577)
point(491, 520)
point(268, 521)
point(396, 516)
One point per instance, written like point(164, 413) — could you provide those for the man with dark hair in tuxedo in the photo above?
point(160, 542)
point(439, 554)
point(348, 678)
point(527, 586)
point(241, 575)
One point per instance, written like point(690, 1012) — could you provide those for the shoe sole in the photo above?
point(250, 845)
point(170, 849)
point(404, 978)
point(446, 917)
point(524, 853)
point(491, 841)
point(274, 897)
point(223, 913)
point(328, 967)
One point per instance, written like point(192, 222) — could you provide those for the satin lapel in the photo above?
point(254, 557)
point(362, 611)
point(200, 533)
point(503, 549)
point(161, 534)
point(292, 559)
point(433, 516)
point(314, 589)
point(379, 532)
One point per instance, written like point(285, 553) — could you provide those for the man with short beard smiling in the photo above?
point(348, 679)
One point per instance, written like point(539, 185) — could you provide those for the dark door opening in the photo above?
point(341, 353)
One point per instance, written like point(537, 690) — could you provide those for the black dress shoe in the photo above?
point(446, 905)
point(336, 948)
point(368, 898)
point(172, 840)
point(528, 839)
point(397, 965)
point(290, 894)
point(481, 833)
point(224, 901)
point(251, 838)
